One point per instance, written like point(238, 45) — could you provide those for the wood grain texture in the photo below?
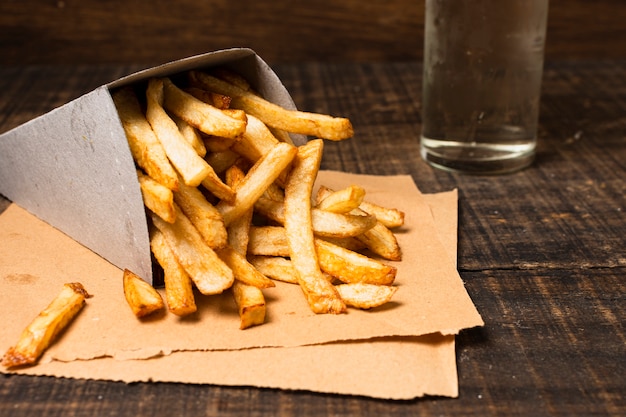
point(151, 32)
point(540, 251)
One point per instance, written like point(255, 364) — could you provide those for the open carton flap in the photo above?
point(73, 169)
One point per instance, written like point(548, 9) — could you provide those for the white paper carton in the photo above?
point(73, 169)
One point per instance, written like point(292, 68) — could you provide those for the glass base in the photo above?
point(477, 158)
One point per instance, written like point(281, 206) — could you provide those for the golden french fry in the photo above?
point(208, 272)
point(41, 332)
point(251, 304)
point(191, 135)
point(325, 223)
point(312, 124)
point(365, 296)
point(203, 116)
point(178, 286)
point(352, 267)
point(192, 168)
point(257, 180)
point(141, 297)
point(204, 216)
point(342, 201)
point(320, 294)
point(239, 229)
point(389, 217)
point(157, 197)
point(268, 240)
point(256, 141)
point(242, 269)
point(379, 239)
point(146, 149)
point(275, 267)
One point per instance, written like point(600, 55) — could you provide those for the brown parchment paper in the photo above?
point(37, 259)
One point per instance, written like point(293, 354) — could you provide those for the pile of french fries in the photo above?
point(231, 204)
point(231, 207)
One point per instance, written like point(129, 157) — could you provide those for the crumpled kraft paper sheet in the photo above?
point(409, 342)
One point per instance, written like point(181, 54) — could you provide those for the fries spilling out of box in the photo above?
point(201, 170)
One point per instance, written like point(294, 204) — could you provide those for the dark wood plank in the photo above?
point(130, 32)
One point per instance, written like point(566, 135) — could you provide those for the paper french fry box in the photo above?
point(72, 167)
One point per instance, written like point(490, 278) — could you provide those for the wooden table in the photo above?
point(542, 251)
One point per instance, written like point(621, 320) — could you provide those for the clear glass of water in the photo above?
point(483, 65)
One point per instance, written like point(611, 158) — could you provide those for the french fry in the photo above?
point(325, 223)
point(275, 267)
point(146, 149)
point(242, 269)
point(191, 135)
point(178, 286)
point(346, 265)
point(365, 296)
point(203, 116)
point(342, 201)
point(320, 294)
point(250, 303)
point(312, 124)
point(204, 216)
point(268, 240)
point(352, 267)
point(42, 331)
point(256, 141)
point(192, 168)
point(208, 272)
point(142, 298)
point(389, 217)
point(257, 180)
point(157, 197)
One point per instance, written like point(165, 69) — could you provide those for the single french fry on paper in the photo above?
point(342, 201)
point(142, 298)
point(42, 331)
point(250, 303)
point(352, 267)
point(319, 292)
point(366, 296)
